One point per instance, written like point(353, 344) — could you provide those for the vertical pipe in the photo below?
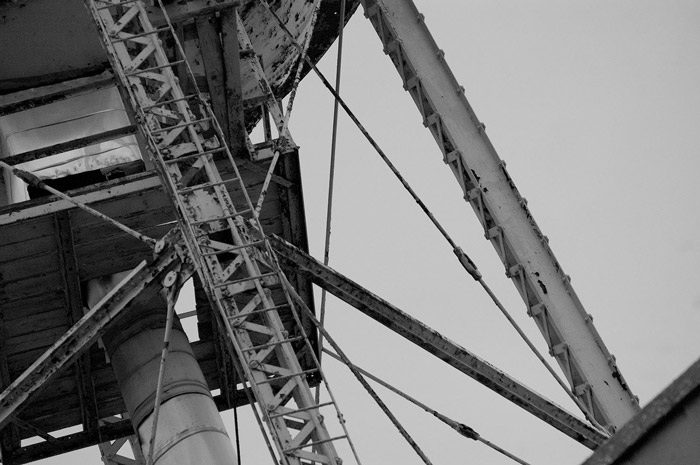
point(190, 429)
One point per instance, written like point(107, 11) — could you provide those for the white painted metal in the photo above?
point(530, 263)
point(238, 271)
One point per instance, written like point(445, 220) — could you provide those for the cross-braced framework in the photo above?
point(221, 230)
point(551, 301)
point(221, 237)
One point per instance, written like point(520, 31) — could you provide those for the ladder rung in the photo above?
point(168, 102)
point(233, 249)
point(221, 218)
point(194, 155)
point(249, 278)
point(153, 68)
point(305, 409)
point(141, 34)
point(181, 125)
point(283, 377)
point(205, 186)
point(312, 444)
point(256, 312)
point(272, 344)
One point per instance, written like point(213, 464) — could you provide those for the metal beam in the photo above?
point(71, 442)
point(438, 345)
point(70, 145)
point(74, 306)
point(508, 223)
point(81, 335)
point(141, 182)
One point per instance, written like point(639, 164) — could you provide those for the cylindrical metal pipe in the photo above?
point(190, 429)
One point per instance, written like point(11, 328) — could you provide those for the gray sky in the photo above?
point(595, 106)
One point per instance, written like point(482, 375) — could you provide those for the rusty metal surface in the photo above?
point(80, 336)
point(436, 344)
point(36, 307)
point(34, 301)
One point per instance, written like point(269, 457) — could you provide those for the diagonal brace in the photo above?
point(81, 335)
point(438, 345)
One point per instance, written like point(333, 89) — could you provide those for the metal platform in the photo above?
point(49, 249)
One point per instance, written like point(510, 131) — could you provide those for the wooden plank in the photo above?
point(29, 325)
point(29, 229)
point(44, 302)
point(109, 256)
point(146, 222)
point(30, 248)
point(91, 194)
point(127, 209)
point(30, 268)
point(40, 341)
point(16, 292)
point(44, 414)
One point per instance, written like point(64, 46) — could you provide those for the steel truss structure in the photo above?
point(221, 229)
point(508, 224)
point(220, 238)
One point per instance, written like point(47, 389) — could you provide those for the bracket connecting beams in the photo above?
point(508, 224)
point(438, 345)
point(87, 330)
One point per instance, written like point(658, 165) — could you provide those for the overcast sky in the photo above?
point(595, 106)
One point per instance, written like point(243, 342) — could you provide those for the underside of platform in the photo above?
point(49, 249)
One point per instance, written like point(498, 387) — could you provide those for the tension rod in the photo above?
point(32, 180)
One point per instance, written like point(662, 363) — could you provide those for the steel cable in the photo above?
point(461, 428)
point(310, 315)
point(331, 174)
point(463, 258)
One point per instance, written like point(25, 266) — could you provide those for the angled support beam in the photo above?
point(508, 223)
point(9, 435)
point(438, 345)
point(71, 442)
point(81, 335)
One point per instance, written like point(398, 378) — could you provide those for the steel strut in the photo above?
point(238, 272)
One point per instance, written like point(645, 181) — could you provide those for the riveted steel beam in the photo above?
point(438, 345)
point(508, 223)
